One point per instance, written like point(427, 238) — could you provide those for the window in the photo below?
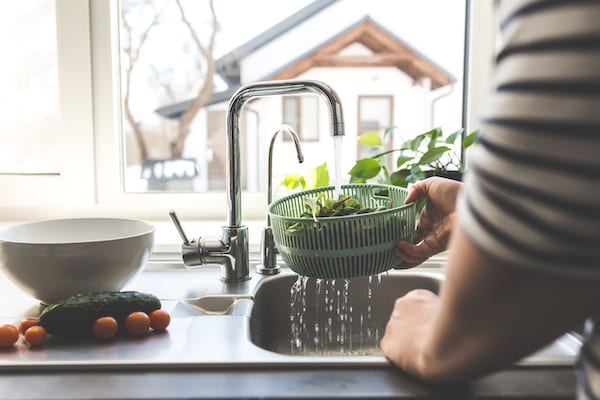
point(46, 128)
point(302, 114)
point(92, 164)
point(174, 80)
point(374, 115)
point(30, 90)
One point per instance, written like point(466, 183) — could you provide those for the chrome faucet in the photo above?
point(231, 250)
point(268, 250)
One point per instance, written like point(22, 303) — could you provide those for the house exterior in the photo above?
point(380, 78)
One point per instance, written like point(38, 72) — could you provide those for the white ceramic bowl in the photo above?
point(55, 259)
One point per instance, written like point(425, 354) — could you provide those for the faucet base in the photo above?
point(262, 270)
point(268, 258)
point(235, 263)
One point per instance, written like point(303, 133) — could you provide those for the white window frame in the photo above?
point(109, 179)
point(91, 183)
point(481, 51)
point(32, 195)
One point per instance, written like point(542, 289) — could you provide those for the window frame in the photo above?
point(359, 104)
point(300, 112)
point(93, 184)
point(72, 185)
point(109, 148)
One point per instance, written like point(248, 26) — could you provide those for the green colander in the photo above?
point(347, 246)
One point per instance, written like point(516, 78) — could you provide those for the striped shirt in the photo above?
point(532, 192)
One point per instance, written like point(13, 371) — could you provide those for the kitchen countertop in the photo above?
point(256, 381)
point(314, 383)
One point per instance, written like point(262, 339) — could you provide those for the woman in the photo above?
point(523, 231)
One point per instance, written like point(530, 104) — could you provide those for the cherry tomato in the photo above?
point(105, 328)
point(35, 335)
point(159, 320)
point(9, 335)
point(137, 323)
point(26, 323)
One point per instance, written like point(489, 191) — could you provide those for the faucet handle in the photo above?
point(228, 251)
point(191, 251)
point(179, 228)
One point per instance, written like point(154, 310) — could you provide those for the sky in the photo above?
point(429, 25)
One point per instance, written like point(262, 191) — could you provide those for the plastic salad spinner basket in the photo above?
point(346, 246)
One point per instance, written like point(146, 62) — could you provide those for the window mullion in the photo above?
point(75, 99)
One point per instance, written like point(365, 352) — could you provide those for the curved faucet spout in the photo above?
point(265, 89)
point(268, 251)
point(294, 136)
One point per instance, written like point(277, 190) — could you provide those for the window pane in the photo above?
point(178, 72)
point(310, 118)
point(291, 109)
point(374, 114)
point(302, 114)
point(29, 82)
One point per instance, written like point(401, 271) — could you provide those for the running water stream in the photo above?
point(325, 319)
point(337, 149)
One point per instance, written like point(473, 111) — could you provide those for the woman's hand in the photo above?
point(407, 328)
point(435, 222)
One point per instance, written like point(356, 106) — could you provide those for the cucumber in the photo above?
point(75, 316)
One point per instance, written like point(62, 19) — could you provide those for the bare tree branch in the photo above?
point(133, 54)
point(164, 83)
point(207, 87)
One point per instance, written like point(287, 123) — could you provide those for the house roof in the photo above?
point(228, 66)
point(387, 50)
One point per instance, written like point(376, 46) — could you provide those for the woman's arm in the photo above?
point(487, 316)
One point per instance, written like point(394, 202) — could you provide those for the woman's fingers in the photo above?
point(416, 192)
point(414, 254)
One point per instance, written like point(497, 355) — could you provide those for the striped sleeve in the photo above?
point(531, 197)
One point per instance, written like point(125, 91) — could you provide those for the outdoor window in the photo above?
point(375, 115)
point(29, 96)
point(45, 118)
point(176, 77)
point(118, 107)
point(302, 114)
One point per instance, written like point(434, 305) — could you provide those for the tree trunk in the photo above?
point(188, 117)
point(137, 131)
point(208, 85)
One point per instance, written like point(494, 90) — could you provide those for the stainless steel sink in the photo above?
point(294, 315)
point(344, 320)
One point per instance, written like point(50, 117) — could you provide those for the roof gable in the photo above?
point(227, 66)
point(386, 50)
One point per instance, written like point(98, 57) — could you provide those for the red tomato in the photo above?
point(9, 335)
point(137, 323)
point(36, 335)
point(105, 328)
point(159, 320)
point(27, 323)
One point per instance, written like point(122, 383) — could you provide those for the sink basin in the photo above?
point(344, 320)
point(305, 316)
